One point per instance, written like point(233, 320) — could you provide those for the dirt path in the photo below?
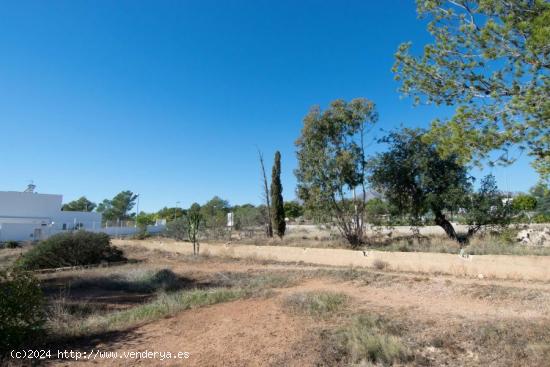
point(253, 332)
point(259, 332)
point(486, 266)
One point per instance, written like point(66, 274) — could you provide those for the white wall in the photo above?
point(27, 204)
point(21, 213)
point(22, 232)
point(89, 220)
point(127, 231)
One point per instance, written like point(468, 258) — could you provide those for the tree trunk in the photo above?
point(441, 221)
point(354, 239)
point(471, 231)
point(269, 225)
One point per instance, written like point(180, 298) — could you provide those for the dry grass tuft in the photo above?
point(317, 304)
point(134, 280)
point(366, 340)
point(380, 264)
point(69, 318)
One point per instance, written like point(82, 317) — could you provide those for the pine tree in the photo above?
point(277, 205)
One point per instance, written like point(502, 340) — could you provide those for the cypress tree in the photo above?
point(277, 206)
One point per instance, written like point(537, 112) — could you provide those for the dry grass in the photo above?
point(360, 276)
point(500, 293)
point(367, 339)
point(401, 239)
point(404, 339)
point(360, 316)
point(255, 281)
point(316, 304)
point(380, 264)
point(490, 266)
point(73, 318)
point(9, 255)
point(135, 280)
point(515, 343)
point(65, 322)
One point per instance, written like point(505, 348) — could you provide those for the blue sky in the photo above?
point(171, 99)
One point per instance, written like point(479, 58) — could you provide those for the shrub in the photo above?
point(380, 264)
point(541, 218)
point(142, 234)
point(365, 340)
point(21, 309)
point(164, 304)
point(177, 229)
point(137, 280)
point(71, 249)
point(316, 303)
point(254, 282)
point(11, 244)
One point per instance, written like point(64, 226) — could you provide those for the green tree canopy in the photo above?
point(487, 207)
point(247, 216)
point(145, 219)
point(416, 180)
point(80, 205)
point(490, 59)
point(119, 207)
point(523, 202)
point(293, 209)
point(214, 213)
point(331, 163)
point(170, 213)
point(541, 192)
point(375, 210)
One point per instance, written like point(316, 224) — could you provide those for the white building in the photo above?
point(29, 216)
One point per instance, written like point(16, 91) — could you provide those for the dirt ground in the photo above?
point(443, 319)
point(486, 266)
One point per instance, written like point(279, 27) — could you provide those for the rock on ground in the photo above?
point(535, 237)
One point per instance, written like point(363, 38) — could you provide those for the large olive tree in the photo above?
point(416, 180)
point(331, 163)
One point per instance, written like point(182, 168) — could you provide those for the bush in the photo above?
point(316, 303)
point(142, 234)
point(380, 264)
point(177, 229)
point(71, 249)
point(21, 309)
point(541, 218)
point(137, 280)
point(367, 340)
point(11, 244)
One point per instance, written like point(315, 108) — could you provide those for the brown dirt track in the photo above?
point(489, 266)
point(456, 314)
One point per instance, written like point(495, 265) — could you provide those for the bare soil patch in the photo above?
point(428, 319)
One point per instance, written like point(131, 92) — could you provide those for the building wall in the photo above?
point(87, 220)
point(23, 232)
point(27, 204)
point(28, 216)
point(128, 231)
